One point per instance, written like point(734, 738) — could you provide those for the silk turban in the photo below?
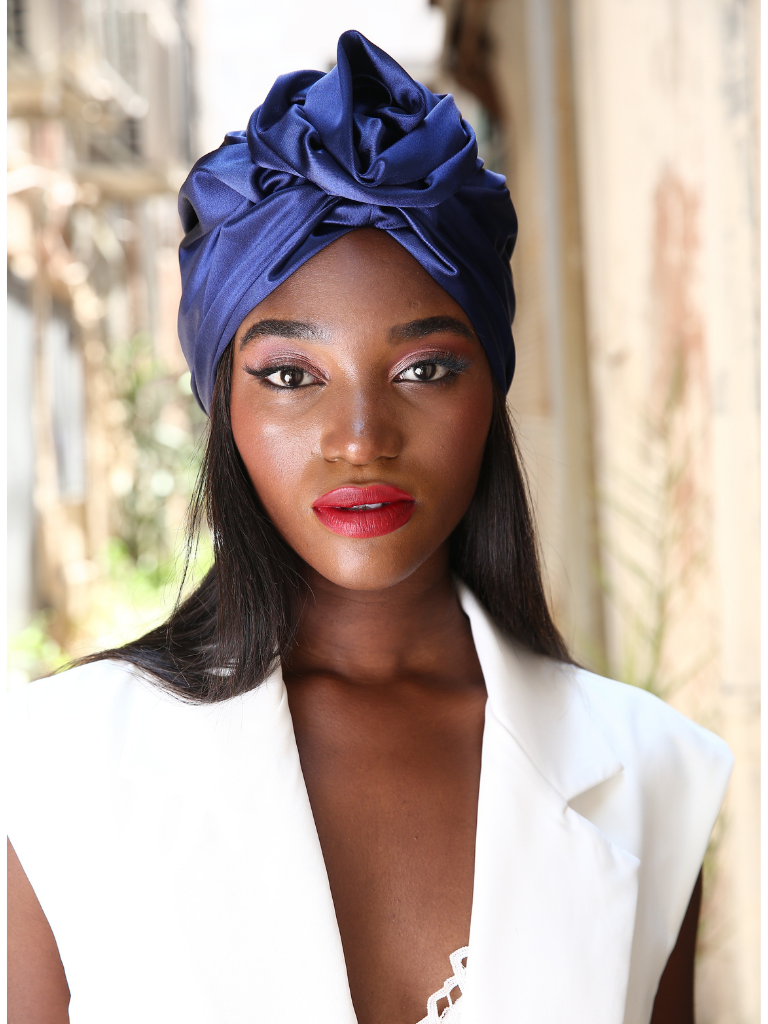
point(361, 146)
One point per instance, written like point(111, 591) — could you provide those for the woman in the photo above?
point(358, 758)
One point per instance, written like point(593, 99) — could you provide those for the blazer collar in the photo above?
point(543, 705)
point(554, 900)
point(220, 794)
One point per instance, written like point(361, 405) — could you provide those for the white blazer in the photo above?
point(173, 849)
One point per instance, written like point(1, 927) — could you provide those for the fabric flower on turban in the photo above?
point(361, 146)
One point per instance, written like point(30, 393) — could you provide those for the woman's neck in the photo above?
point(413, 629)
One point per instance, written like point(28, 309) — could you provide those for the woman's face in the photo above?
point(359, 382)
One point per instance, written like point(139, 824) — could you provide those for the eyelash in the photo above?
point(267, 371)
point(447, 360)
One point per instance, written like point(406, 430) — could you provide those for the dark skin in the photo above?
point(384, 686)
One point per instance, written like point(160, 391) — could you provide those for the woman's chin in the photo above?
point(355, 568)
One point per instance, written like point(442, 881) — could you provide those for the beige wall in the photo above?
point(666, 99)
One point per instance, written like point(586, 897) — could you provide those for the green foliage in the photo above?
point(162, 427)
point(131, 598)
point(164, 424)
point(33, 653)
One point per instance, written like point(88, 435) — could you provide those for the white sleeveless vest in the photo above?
point(173, 849)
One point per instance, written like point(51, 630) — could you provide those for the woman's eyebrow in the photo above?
point(303, 331)
point(431, 325)
point(282, 329)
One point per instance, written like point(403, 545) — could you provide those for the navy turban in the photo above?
point(361, 146)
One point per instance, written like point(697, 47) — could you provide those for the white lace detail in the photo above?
point(450, 1015)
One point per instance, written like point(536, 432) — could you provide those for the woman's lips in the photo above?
point(364, 511)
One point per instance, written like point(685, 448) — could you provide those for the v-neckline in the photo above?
point(284, 698)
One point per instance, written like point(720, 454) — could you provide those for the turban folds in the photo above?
point(361, 146)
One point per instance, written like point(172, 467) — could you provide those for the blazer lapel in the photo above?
point(554, 900)
point(222, 798)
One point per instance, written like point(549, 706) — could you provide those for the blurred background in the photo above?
point(629, 134)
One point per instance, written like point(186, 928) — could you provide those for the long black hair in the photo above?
point(228, 634)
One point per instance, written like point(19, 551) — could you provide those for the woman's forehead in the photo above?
point(364, 275)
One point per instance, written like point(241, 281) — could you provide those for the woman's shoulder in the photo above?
point(564, 716)
point(87, 719)
point(649, 777)
point(72, 718)
point(91, 692)
point(64, 740)
point(646, 732)
point(663, 802)
point(572, 713)
point(91, 680)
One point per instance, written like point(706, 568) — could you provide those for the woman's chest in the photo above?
point(395, 804)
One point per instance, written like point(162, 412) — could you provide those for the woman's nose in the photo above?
point(361, 427)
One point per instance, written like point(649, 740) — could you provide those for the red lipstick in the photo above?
point(364, 511)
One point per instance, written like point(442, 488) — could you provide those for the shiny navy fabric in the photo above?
point(361, 146)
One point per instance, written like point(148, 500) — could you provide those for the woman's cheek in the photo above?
point(452, 451)
point(277, 459)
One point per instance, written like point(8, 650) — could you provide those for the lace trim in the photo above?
point(456, 982)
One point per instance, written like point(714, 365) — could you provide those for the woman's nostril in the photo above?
point(362, 447)
point(362, 436)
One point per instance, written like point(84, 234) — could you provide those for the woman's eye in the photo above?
point(424, 372)
point(290, 377)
